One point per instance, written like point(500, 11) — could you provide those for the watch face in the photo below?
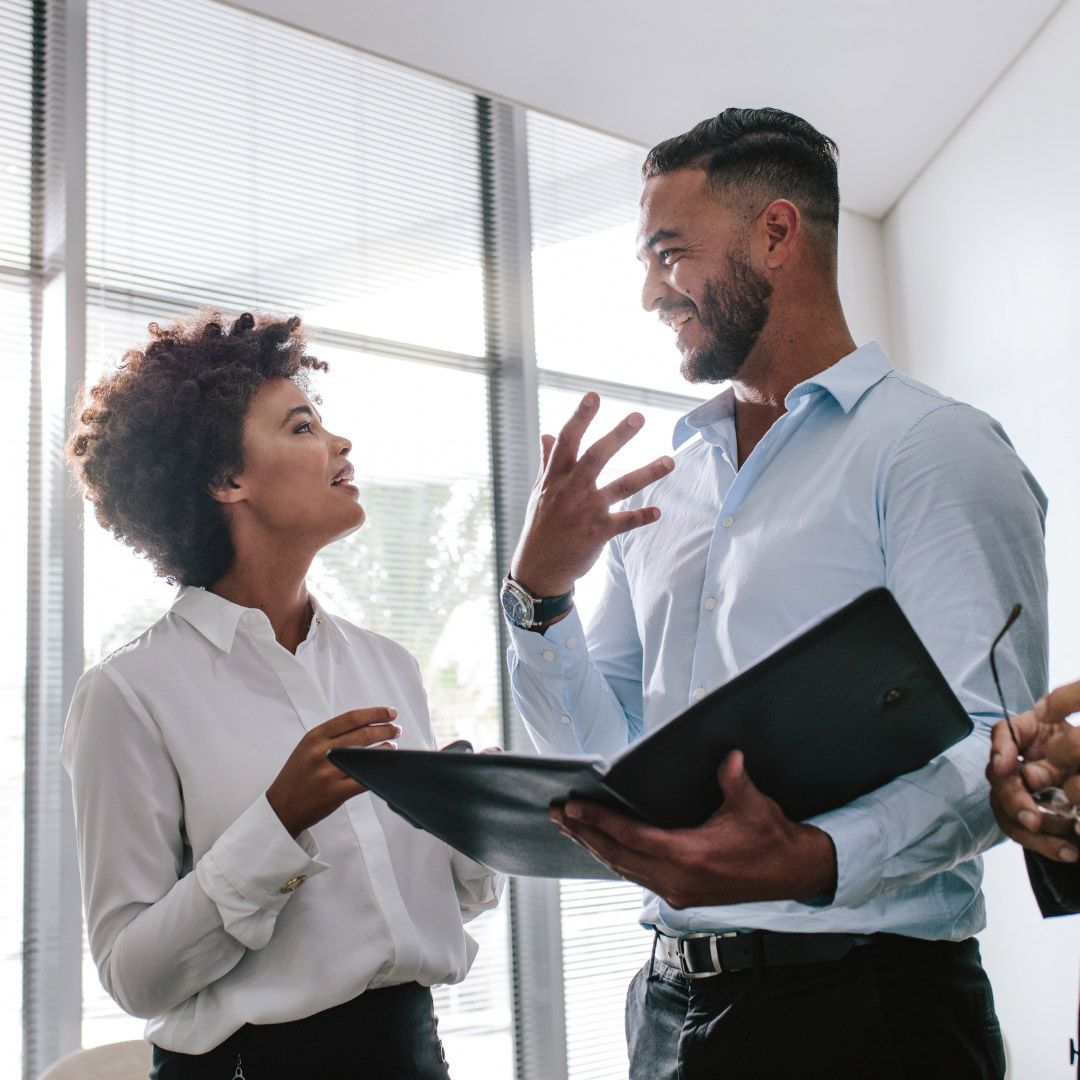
point(517, 605)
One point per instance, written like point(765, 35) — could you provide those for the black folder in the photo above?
point(838, 711)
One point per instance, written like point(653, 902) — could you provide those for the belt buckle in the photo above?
point(714, 953)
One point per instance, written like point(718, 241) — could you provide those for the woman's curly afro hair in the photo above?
point(154, 435)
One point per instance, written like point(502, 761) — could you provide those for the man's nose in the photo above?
point(654, 291)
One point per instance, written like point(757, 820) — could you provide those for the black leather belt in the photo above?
point(700, 956)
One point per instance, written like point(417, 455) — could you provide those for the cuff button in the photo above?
point(293, 883)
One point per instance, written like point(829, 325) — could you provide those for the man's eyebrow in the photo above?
point(295, 411)
point(656, 237)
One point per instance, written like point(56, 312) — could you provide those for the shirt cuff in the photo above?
point(478, 887)
point(860, 853)
point(556, 650)
point(252, 870)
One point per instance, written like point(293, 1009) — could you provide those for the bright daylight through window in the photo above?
point(236, 163)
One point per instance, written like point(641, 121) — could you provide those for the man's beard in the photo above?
point(732, 312)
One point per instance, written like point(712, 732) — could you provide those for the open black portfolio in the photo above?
point(840, 710)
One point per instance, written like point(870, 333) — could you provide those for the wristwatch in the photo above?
point(526, 611)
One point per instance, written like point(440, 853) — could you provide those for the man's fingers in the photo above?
point(604, 449)
point(633, 482)
point(564, 450)
point(601, 844)
point(547, 443)
point(625, 520)
point(625, 831)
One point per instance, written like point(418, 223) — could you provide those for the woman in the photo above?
point(264, 921)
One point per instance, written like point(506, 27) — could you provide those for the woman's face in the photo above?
point(297, 481)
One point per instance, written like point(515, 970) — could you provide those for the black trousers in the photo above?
point(378, 1035)
point(893, 1009)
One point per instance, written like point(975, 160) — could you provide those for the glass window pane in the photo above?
point(15, 368)
point(14, 447)
point(589, 324)
point(584, 190)
point(651, 442)
point(421, 568)
point(237, 161)
point(346, 189)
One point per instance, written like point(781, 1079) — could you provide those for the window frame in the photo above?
point(52, 998)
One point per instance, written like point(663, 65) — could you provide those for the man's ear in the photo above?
point(226, 490)
point(782, 225)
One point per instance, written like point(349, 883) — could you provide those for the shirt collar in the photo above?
point(846, 381)
point(217, 619)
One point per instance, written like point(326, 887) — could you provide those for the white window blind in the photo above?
point(238, 163)
point(16, 168)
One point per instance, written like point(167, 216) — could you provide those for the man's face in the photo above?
point(699, 277)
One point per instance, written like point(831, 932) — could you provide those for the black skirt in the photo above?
point(382, 1034)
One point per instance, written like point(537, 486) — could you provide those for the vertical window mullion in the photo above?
point(539, 1017)
point(52, 905)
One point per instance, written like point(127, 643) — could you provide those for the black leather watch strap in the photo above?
point(528, 611)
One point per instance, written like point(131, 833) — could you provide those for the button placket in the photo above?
point(312, 708)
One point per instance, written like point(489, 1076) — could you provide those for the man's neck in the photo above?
point(781, 360)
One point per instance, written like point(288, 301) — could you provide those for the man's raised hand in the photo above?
point(569, 517)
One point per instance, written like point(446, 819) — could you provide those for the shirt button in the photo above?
point(699, 693)
point(571, 643)
point(565, 719)
point(294, 883)
point(728, 522)
point(549, 655)
point(710, 604)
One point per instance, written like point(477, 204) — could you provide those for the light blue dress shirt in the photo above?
point(868, 479)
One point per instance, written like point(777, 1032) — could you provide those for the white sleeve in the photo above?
point(158, 932)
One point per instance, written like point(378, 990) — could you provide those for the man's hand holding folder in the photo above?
point(748, 850)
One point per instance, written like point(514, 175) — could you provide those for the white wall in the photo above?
point(982, 258)
point(861, 279)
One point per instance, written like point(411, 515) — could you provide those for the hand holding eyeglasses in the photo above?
point(1040, 754)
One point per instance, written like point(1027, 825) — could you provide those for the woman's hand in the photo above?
point(309, 787)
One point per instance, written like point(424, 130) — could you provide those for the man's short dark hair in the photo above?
point(764, 153)
point(152, 436)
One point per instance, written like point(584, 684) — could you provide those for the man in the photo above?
point(841, 946)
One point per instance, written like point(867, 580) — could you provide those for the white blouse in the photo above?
point(203, 914)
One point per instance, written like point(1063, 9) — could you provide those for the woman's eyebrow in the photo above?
point(296, 410)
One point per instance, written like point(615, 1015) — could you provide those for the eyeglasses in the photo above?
point(1059, 813)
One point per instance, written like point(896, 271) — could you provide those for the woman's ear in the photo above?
point(225, 491)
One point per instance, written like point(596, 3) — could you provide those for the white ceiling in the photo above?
point(889, 80)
